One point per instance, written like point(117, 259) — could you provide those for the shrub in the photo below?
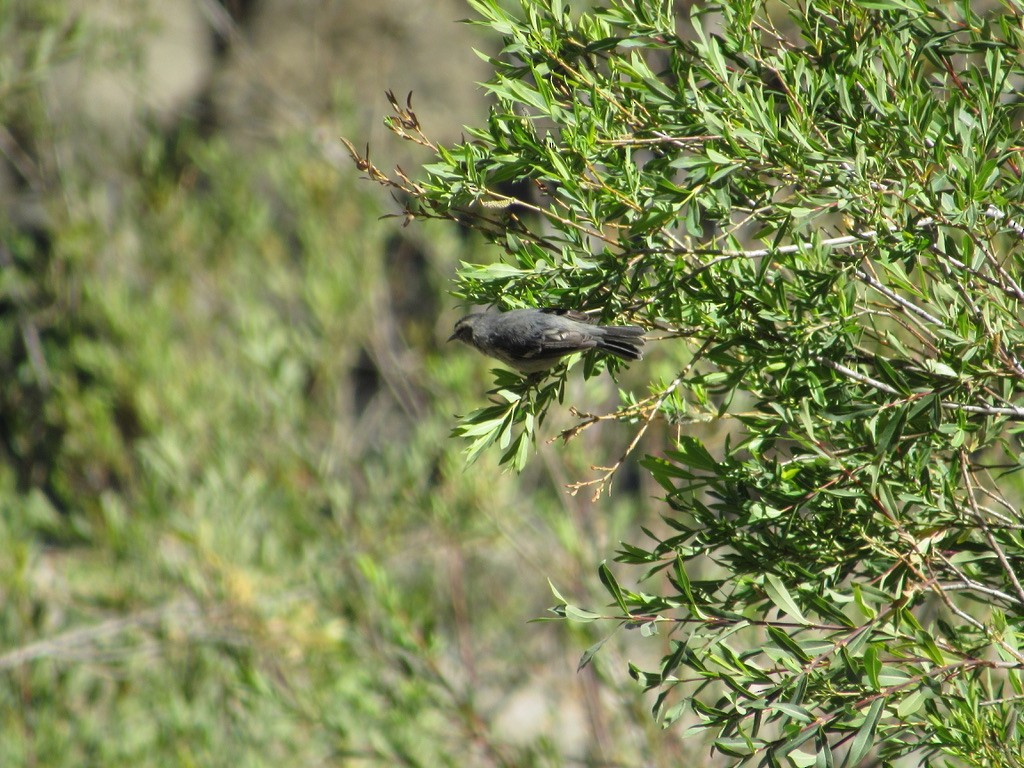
point(816, 213)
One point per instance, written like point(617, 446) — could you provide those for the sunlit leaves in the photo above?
point(820, 211)
point(519, 405)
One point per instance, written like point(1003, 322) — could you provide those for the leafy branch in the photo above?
point(821, 211)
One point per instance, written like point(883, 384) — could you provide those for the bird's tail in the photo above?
point(622, 341)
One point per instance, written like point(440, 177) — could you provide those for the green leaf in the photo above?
point(682, 582)
point(823, 757)
point(828, 611)
point(691, 452)
point(911, 705)
point(780, 596)
point(892, 376)
point(865, 737)
point(608, 579)
point(930, 649)
point(556, 593)
point(788, 644)
point(872, 666)
point(580, 615)
point(797, 740)
point(736, 747)
point(794, 712)
point(589, 654)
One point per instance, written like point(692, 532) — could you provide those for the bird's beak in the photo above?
point(453, 337)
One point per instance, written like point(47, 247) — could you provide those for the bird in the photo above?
point(534, 340)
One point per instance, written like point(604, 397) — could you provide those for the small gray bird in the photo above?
point(533, 340)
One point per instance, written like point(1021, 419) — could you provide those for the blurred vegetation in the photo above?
point(234, 529)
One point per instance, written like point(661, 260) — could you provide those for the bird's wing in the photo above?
point(550, 343)
point(572, 314)
point(568, 339)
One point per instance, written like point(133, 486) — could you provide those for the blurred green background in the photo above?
point(234, 528)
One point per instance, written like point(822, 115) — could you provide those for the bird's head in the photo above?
point(464, 328)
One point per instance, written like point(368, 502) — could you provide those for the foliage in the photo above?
point(819, 211)
point(64, 413)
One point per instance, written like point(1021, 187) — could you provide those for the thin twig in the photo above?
point(1014, 412)
point(895, 297)
point(998, 550)
point(602, 481)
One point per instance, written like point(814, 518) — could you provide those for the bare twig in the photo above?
point(895, 297)
point(1014, 412)
point(1011, 575)
point(603, 480)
